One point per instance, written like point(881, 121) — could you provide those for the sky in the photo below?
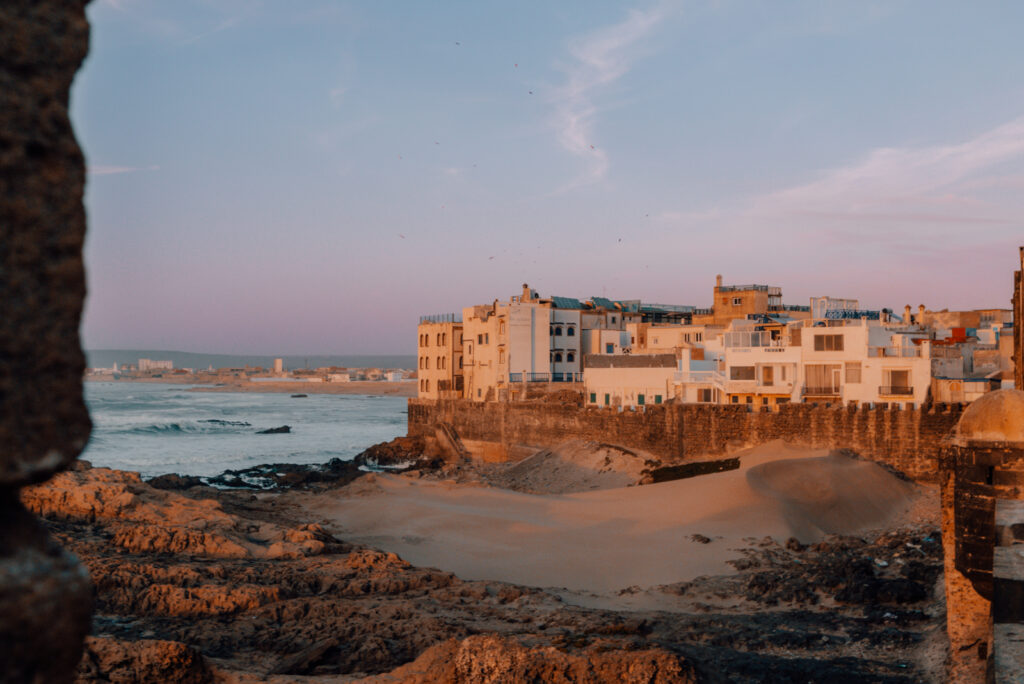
point(311, 176)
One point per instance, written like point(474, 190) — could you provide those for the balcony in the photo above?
point(894, 352)
point(895, 391)
point(545, 377)
point(821, 391)
point(699, 378)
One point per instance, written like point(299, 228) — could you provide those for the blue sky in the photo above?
point(311, 176)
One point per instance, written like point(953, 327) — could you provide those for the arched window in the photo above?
point(444, 362)
point(501, 327)
point(438, 339)
point(551, 330)
point(558, 357)
point(570, 357)
point(427, 359)
point(444, 338)
point(558, 331)
point(460, 363)
point(426, 339)
point(571, 332)
point(428, 384)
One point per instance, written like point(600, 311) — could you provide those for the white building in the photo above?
point(150, 365)
point(629, 381)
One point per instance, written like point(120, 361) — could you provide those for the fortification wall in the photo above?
point(908, 440)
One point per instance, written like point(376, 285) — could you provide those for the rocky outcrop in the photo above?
point(44, 593)
point(141, 662)
point(138, 518)
point(489, 659)
point(290, 601)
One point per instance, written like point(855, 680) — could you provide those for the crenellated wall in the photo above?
point(907, 440)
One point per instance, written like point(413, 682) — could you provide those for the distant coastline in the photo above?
point(405, 388)
point(106, 358)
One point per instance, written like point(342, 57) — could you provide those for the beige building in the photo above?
point(731, 302)
point(439, 357)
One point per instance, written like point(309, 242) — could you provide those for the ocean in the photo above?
point(155, 429)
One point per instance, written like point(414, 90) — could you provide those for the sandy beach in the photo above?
point(611, 539)
point(337, 575)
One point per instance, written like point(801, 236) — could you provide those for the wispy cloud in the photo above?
point(598, 60)
point(101, 170)
point(946, 183)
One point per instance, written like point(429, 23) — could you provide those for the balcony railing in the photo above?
point(699, 378)
point(896, 391)
point(545, 377)
point(821, 391)
point(894, 352)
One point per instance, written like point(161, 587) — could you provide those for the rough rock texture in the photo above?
point(300, 603)
point(141, 662)
point(43, 420)
point(45, 598)
point(489, 659)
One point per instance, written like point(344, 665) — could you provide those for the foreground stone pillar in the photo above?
point(45, 595)
point(982, 472)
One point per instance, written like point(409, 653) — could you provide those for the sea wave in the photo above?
point(186, 427)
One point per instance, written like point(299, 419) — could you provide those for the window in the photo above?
point(764, 401)
point(741, 373)
point(782, 400)
point(444, 338)
point(640, 400)
point(613, 319)
point(501, 356)
point(768, 376)
point(558, 331)
point(783, 374)
point(571, 331)
point(480, 338)
point(551, 330)
point(699, 337)
point(501, 327)
point(657, 398)
point(570, 357)
point(593, 397)
point(426, 340)
point(479, 393)
point(734, 399)
point(487, 338)
point(438, 339)
point(607, 399)
point(427, 383)
point(852, 372)
point(609, 348)
point(750, 400)
point(558, 357)
point(828, 343)
point(427, 359)
point(704, 395)
point(460, 363)
point(736, 301)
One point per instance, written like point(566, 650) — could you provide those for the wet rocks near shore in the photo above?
point(282, 430)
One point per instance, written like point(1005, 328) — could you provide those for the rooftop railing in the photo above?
point(442, 318)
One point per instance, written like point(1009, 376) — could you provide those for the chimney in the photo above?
point(920, 314)
point(906, 315)
point(526, 293)
point(718, 280)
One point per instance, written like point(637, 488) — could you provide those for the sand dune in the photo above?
point(606, 540)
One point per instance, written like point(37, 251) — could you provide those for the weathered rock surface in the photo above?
point(43, 420)
point(45, 596)
point(300, 603)
point(141, 662)
point(489, 659)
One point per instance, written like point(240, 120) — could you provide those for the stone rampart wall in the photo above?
point(907, 440)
